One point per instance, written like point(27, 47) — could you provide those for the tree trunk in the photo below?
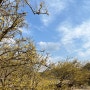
point(1, 1)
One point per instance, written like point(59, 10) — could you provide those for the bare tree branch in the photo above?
point(38, 11)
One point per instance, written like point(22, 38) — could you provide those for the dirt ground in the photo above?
point(88, 88)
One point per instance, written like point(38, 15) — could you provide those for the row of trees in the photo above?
point(67, 75)
point(21, 63)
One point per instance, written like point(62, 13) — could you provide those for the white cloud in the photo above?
point(55, 59)
point(11, 0)
point(76, 39)
point(50, 46)
point(80, 31)
point(26, 31)
point(8, 41)
point(86, 45)
point(84, 54)
point(55, 7)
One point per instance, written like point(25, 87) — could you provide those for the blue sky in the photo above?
point(65, 32)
